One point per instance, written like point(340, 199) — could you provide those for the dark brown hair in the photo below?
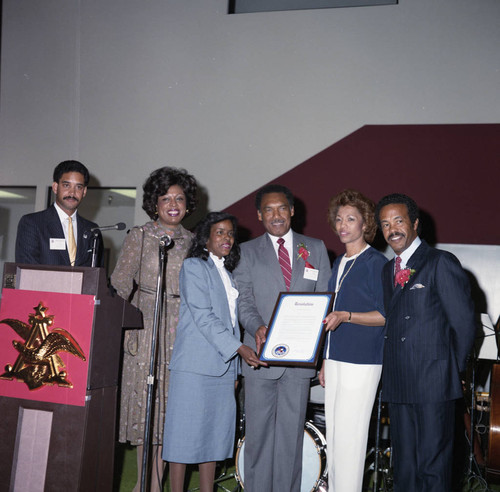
point(364, 206)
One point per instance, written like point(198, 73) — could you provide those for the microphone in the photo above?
point(165, 240)
point(117, 227)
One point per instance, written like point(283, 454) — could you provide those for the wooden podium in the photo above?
point(58, 411)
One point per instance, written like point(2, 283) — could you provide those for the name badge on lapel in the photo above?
point(57, 243)
point(311, 273)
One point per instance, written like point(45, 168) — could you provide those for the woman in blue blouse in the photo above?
point(353, 350)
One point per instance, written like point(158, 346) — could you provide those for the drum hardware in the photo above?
point(482, 401)
point(316, 415)
point(491, 340)
point(316, 392)
point(382, 472)
point(316, 405)
point(474, 477)
point(378, 467)
point(314, 469)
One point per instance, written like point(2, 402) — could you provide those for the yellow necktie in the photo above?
point(71, 242)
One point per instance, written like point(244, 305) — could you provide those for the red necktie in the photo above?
point(284, 260)
point(397, 268)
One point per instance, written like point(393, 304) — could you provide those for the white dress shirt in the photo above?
point(288, 244)
point(63, 217)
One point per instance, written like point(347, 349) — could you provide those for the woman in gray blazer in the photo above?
point(201, 411)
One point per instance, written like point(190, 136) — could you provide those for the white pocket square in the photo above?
point(417, 286)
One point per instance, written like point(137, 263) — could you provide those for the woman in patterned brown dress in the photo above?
point(169, 195)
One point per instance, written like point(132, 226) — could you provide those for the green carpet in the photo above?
point(126, 476)
point(126, 473)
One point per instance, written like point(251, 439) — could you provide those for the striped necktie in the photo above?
point(284, 260)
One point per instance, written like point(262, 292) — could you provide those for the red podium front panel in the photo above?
point(60, 341)
point(45, 340)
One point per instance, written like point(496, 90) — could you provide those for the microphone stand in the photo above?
point(95, 236)
point(164, 243)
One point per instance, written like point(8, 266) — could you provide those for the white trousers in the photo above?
point(350, 391)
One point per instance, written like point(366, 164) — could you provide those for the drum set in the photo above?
point(378, 469)
point(313, 460)
point(378, 466)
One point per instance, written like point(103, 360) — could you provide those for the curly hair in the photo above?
point(161, 180)
point(273, 188)
point(198, 247)
point(399, 198)
point(364, 205)
point(71, 167)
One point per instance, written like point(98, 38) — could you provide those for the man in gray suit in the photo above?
point(275, 397)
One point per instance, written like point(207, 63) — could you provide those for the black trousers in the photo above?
point(422, 442)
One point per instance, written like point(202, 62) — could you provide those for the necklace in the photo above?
point(348, 258)
point(345, 274)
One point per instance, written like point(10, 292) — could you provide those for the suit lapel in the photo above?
point(298, 265)
point(396, 292)
point(415, 262)
point(55, 230)
point(82, 245)
point(222, 296)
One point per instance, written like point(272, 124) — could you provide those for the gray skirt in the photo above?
point(200, 421)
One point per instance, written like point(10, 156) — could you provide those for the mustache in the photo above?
point(396, 234)
point(70, 197)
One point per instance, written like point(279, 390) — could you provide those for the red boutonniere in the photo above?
point(403, 276)
point(304, 254)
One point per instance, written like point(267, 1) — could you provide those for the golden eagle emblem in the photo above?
point(38, 363)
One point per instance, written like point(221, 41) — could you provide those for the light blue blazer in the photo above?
point(206, 341)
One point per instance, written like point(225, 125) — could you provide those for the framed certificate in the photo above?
point(296, 332)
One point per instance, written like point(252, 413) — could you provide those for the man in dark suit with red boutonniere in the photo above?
point(429, 334)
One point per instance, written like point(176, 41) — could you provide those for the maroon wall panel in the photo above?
point(452, 172)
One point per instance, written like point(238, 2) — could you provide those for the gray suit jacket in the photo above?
point(206, 341)
point(259, 280)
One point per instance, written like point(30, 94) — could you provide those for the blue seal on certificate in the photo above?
point(281, 350)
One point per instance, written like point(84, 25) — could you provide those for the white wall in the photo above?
point(483, 263)
point(11, 211)
point(127, 86)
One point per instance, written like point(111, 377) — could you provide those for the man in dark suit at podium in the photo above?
point(55, 236)
point(429, 334)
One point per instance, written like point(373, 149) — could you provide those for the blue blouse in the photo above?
point(361, 291)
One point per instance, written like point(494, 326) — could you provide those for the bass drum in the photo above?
point(313, 460)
